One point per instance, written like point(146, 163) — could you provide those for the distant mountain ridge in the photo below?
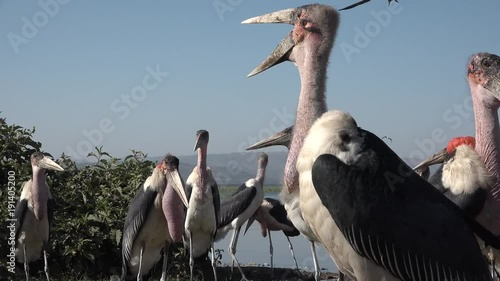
point(236, 168)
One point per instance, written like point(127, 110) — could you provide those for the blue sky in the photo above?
point(73, 73)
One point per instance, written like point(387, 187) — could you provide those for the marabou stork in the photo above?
point(377, 218)
point(397, 225)
point(272, 216)
point(483, 76)
point(202, 218)
point(155, 218)
point(239, 206)
point(34, 214)
point(315, 28)
point(462, 177)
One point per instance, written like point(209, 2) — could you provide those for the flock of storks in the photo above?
point(343, 186)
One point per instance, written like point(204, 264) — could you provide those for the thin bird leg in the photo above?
point(214, 262)
point(271, 251)
point(293, 253)
point(191, 259)
point(232, 251)
point(165, 259)
point(139, 273)
point(26, 265)
point(45, 260)
point(317, 272)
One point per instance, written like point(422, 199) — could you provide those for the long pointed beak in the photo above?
point(48, 163)
point(281, 52)
point(174, 178)
point(250, 222)
point(437, 158)
point(279, 55)
point(197, 144)
point(282, 138)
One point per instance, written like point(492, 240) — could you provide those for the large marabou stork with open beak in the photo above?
point(155, 218)
point(34, 214)
point(373, 213)
point(272, 216)
point(239, 206)
point(203, 212)
point(315, 39)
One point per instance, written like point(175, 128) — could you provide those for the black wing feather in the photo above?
point(216, 200)
point(19, 214)
point(189, 190)
point(136, 216)
point(392, 216)
point(278, 212)
point(232, 207)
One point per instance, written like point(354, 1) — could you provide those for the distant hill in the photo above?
point(236, 168)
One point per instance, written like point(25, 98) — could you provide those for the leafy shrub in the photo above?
point(91, 202)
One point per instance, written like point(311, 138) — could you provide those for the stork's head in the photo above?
point(483, 74)
point(463, 168)
point(170, 166)
point(448, 152)
point(281, 138)
point(315, 27)
point(40, 161)
point(201, 139)
point(262, 162)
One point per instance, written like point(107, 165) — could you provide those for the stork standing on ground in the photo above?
point(153, 221)
point(239, 206)
point(202, 219)
point(34, 214)
point(272, 216)
point(316, 39)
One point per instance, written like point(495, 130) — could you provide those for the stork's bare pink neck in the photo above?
point(261, 174)
point(311, 106)
point(39, 193)
point(487, 140)
point(202, 161)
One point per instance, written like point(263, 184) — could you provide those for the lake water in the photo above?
point(253, 248)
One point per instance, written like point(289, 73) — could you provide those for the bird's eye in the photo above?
point(303, 22)
point(486, 62)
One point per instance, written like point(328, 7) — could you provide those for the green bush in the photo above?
point(91, 202)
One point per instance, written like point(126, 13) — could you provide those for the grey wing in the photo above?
point(50, 212)
point(188, 190)
point(136, 216)
point(216, 200)
point(19, 214)
point(232, 207)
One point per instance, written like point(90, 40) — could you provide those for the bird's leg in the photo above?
point(165, 259)
point(191, 259)
point(293, 253)
point(45, 260)
point(317, 272)
point(232, 251)
point(214, 262)
point(139, 273)
point(26, 266)
point(271, 251)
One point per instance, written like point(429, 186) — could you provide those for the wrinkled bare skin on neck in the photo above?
point(39, 193)
point(483, 75)
point(202, 165)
